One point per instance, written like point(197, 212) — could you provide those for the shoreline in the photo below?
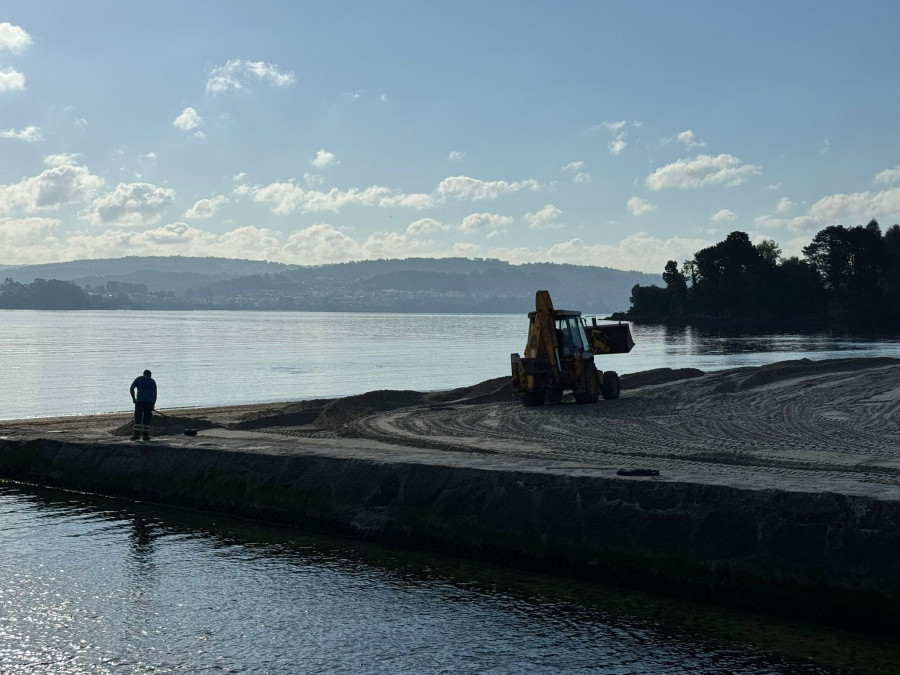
point(774, 494)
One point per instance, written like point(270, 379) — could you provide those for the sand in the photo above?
point(831, 425)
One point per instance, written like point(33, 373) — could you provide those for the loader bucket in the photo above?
point(617, 336)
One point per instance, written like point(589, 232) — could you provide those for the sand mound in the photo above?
point(657, 376)
point(343, 411)
point(301, 413)
point(496, 389)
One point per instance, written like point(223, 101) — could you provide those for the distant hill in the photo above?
point(408, 285)
point(175, 273)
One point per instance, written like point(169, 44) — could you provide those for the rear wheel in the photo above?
point(532, 398)
point(610, 388)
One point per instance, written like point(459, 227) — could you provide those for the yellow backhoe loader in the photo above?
point(559, 356)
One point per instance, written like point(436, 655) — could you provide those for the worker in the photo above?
point(143, 393)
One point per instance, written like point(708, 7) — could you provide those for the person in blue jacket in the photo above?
point(143, 393)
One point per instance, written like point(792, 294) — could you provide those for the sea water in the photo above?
point(97, 586)
point(76, 363)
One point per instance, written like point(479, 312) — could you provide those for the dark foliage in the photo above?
point(43, 294)
point(846, 274)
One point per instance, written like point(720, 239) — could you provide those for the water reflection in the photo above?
point(102, 587)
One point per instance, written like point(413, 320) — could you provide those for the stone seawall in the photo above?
point(828, 557)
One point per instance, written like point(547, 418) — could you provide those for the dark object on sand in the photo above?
point(190, 432)
point(637, 472)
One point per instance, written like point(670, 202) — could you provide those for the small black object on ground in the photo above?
point(637, 472)
point(190, 432)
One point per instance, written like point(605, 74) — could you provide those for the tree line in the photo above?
point(845, 274)
point(57, 294)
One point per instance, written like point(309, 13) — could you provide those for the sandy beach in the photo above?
point(803, 425)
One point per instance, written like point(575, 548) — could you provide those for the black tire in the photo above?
point(592, 393)
point(610, 388)
point(533, 398)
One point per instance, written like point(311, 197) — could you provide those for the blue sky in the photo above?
point(620, 134)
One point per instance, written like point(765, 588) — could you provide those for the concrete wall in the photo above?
point(827, 557)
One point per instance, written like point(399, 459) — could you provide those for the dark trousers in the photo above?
point(143, 413)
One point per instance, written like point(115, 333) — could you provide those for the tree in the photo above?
point(851, 264)
point(725, 276)
point(676, 288)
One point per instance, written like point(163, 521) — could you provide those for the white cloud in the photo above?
point(491, 221)
point(612, 127)
point(784, 205)
point(639, 207)
point(544, 218)
point(724, 216)
point(456, 155)
point(617, 143)
point(30, 134)
point(23, 233)
point(576, 168)
point(857, 208)
point(463, 187)
point(11, 80)
point(188, 120)
point(206, 208)
point(322, 243)
point(13, 38)
point(324, 158)
point(853, 209)
point(236, 75)
point(889, 175)
point(132, 204)
point(701, 171)
point(826, 147)
point(52, 189)
point(689, 140)
point(34, 240)
point(61, 159)
point(639, 251)
point(268, 72)
point(288, 197)
point(426, 226)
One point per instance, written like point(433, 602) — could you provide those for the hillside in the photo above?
point(410, 285)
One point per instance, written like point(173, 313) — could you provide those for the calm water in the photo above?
point(99, 586)
point(68, 363)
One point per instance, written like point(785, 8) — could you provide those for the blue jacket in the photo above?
point(146, 389)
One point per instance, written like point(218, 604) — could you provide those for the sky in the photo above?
point(619, 134)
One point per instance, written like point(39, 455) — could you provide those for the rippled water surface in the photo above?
point(68, 363)
point(97, 586)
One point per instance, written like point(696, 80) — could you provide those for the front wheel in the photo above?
point(610, 388)
point(592, 390)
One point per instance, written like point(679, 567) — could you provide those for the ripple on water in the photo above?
point(95, 586)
